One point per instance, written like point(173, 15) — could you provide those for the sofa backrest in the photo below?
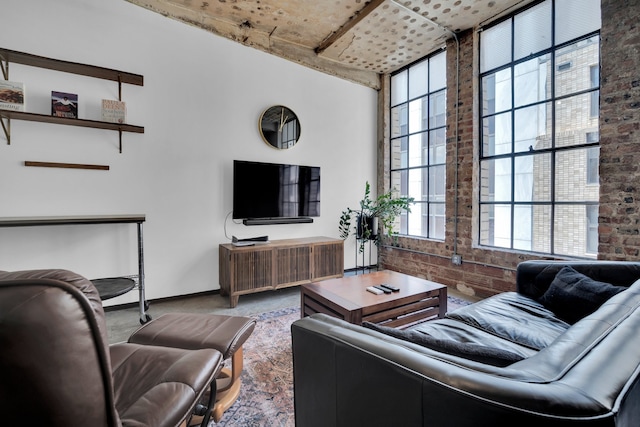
point(52, 328)
point(534, 277)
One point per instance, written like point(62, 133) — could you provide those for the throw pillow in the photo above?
point(470, 351)
point(572, 295)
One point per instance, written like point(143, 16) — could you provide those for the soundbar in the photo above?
point(269, 221)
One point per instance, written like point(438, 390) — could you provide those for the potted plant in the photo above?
point(383, 211)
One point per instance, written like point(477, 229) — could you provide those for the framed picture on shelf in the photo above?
point(11, 95)
point(114, 111)
point(64, 104)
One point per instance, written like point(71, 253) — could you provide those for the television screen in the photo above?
point(271, 190)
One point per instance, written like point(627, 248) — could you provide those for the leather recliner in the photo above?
point(57, 368)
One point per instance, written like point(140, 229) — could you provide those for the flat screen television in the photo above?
point(275, 192)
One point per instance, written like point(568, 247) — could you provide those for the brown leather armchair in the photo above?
point(57, 369)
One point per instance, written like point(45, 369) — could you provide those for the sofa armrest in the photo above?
point(534, 277)
point(347, 375)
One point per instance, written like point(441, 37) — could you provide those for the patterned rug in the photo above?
point(266, 396)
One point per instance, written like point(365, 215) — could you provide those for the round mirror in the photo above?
point(279, 127)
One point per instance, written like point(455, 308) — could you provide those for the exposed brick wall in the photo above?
point(485, 272)
point(619, 220)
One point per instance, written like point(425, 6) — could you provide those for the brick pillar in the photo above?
point(619, 218)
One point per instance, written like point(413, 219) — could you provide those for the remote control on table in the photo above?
point(390, 287)
point(374, 290)
point(383, 289)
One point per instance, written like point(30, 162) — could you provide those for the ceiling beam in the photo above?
point(352, 22)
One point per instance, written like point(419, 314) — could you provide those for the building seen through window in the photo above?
point(539, 117)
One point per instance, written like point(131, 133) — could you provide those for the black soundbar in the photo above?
point(269, 221)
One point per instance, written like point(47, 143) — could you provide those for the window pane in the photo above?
point(437, 109)
point(497, 135)
point(403, 228)
point(495, 179)
point(399, 153)
point(533, 178)
point(496, 92)
point(570, 230)
point(571, 181)
point(593, 165)
point(495, 225)
point(399, 121)
point(418, 115)
point(531, 81)
point(532, 30)
point(496, 46)
point(575, 18)
point(417, 189)
point(574, 65)
point(592, 229)
point(417, 220)
point(532, 228)
point(399, 85)
point(418, 79)
point(418, 146)
point(574, 120)
point(436, 220)
point(523, 184)
point(437, 146)
point(438, 72)
point(399, 182)
point(533, 128)
point(436, 183)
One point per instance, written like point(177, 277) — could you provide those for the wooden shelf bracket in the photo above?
point(6, 127)
point(6, 123)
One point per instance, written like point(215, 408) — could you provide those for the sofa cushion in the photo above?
point(514, 318)
point(453, 330)
point(476, 352)
point(572, 295)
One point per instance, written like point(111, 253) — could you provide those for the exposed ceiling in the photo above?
point(354, 39)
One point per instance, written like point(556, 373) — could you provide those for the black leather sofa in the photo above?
point(506, 360)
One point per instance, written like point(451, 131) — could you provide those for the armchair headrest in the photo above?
point(52, 327)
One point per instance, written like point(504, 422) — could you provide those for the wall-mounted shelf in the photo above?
point(65, 165)
point(11, 56)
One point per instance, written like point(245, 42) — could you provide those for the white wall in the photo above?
point(200, 104)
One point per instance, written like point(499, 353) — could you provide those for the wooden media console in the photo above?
point(278, 264)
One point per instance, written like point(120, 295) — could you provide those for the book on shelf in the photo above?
point(64, 104)
point(114, 111)
point(11, 95)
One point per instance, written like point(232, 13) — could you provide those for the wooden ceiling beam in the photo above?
point(352, 22)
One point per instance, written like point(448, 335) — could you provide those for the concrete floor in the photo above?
point(121, 323)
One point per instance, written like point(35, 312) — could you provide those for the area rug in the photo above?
point(266, 396)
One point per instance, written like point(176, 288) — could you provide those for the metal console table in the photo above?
point(88, 220)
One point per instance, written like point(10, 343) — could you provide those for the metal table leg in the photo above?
point(144, 317)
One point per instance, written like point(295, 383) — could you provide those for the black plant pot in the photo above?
point(366, 224)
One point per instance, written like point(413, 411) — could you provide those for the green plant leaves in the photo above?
point(385, 207)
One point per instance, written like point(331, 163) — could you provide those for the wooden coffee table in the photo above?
point(347, 298)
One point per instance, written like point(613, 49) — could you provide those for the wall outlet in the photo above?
point(456, 259)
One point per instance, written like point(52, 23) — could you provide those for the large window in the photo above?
point(418, 144)
point(539, 129)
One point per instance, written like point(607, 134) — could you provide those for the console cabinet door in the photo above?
point(250, 271)
point(293, 266)
point(328, 260)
